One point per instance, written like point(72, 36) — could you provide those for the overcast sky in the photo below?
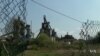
point(78, 9)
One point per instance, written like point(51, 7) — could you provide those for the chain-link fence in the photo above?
point(11, 10)
point(89, 32)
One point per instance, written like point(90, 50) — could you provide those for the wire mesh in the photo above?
point(90, 29)
point(89, 32)
point(10, 9)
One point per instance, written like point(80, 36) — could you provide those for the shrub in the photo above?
point(45, 41)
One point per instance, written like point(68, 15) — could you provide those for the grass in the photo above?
point(61, 52)
point(46, 53)
point(53, 53)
